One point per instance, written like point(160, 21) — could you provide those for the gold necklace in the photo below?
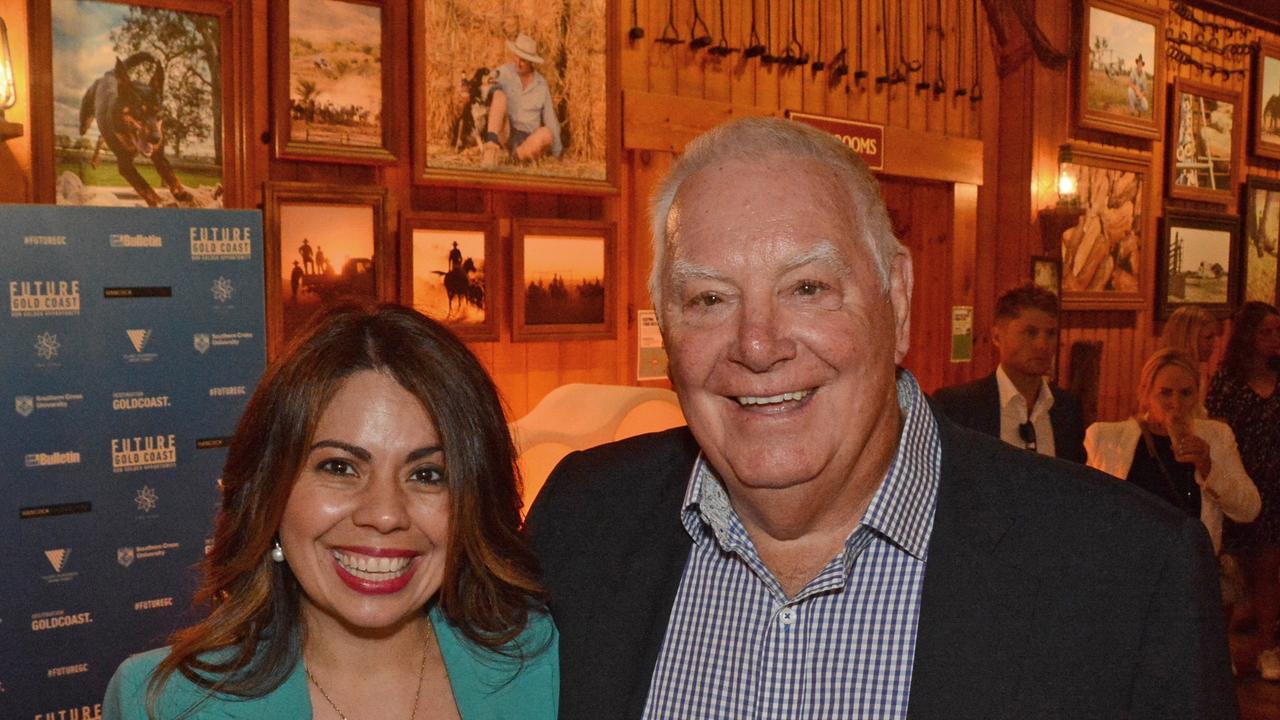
point(422, 671)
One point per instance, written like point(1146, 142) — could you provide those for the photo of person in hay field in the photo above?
point(516, 87)
point(1119, 79)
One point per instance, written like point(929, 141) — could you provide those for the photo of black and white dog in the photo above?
point(470, 111)
point(130, 119)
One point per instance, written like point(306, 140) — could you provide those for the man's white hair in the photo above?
point(756, 138)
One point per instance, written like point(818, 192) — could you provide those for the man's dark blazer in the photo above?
point(976, 405)
point(1051, 590)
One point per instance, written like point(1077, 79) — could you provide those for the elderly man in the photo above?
point(521, 113)
point(819, 543)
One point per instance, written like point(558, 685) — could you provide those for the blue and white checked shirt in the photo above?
point(843, 647)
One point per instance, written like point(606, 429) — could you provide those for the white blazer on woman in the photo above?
point(1231, 491)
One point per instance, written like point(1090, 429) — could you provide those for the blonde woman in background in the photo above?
point(1194, 332)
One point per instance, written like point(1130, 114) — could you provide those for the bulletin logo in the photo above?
point(47, 346)
point(47, 459)
point(220, 243)
point(44, 298)
point(58, 558)
point(146, 499)
point(139, 338)
point(149, 452)
point(24, 405)
point(201, 342)
point(223, 289)
point(120, 240)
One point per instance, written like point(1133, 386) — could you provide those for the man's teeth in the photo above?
point(773, 399)
point(372, 568)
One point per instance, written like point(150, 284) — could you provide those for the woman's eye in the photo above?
point(335, 466)
point(428, 476)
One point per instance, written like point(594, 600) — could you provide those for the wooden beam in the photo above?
point(666, 124)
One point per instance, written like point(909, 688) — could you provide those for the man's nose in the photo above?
point(762, 340)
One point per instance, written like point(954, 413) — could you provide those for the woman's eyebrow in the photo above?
point(359, 452)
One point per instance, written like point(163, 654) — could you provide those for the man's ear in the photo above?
point(901, 283)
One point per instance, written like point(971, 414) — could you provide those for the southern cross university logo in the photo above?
point(146, 499)
point(57, 558)
point(223, 289)
point(201, 342)
point(24, 405)
point(47, 345)
point(139, 338)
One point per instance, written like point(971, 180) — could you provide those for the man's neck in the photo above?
point(1028, 386)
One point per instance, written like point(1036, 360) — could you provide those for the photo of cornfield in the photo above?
point(335, 73)
point(483, 55)
point(1104, 249)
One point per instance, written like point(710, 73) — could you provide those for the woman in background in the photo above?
point(1243, 394)
point(1187, 461)
point(1194, 332)
point(367, 558)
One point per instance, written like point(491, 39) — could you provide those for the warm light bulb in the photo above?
point(1066, 185)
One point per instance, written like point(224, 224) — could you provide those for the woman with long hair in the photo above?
point(1188, 461)
point(367, 557)
point(1243, 394)
point(1194, 332)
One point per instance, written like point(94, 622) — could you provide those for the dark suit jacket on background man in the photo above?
point(976, 405)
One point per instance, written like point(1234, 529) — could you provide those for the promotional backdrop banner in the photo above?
point(131, 342)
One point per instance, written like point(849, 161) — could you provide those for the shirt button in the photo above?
point(787, 617)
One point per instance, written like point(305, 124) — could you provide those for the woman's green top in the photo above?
point(486, 685)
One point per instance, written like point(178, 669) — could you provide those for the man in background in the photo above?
point(1016, 403)
point(522, 115)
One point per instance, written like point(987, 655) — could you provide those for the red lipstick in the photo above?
point(366, 586)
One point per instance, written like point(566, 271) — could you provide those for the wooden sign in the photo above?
point(863, 138)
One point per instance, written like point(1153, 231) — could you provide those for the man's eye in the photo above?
point(335, 466)
point(811, 287)
point(704, 300)
point(428, 476)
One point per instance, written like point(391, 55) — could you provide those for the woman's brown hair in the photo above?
point(248, 644)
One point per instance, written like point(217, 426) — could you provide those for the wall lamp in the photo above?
point(1068, 184)
point(8, 91)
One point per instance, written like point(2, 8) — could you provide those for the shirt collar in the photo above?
point(1009, 393)
point(901, 509)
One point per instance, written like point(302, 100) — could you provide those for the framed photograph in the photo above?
point(140, 106)
point(525, 100)
point(449, 270)
point(1121, 68)
point(1197, 263)
point(1046, 272)
point(324, 243)
point(1266, 100)
point(1261, 238)
point(1204, 139)
point(563, 280)
point(329, 83)
point(1102, 253)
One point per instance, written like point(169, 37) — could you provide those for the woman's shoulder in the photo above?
point(1111, 429)
point(520, 679)
point(126, 695)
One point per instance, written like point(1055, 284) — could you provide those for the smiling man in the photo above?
point(1016, 403)
point(818, 543)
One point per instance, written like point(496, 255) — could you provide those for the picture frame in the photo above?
point(1203, 143)
point(1266, 101)
point(332, 99)
point(1261, 242)
point(352, 218)
point(1104, 251)
point(1198, 263)
point(459, 291)
point(183, 83)
point(1116, 35)
point(563, 280)
point(1046, 272)
point(463, 65)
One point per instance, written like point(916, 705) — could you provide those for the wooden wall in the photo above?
point(1127, 337)
point(672, 91)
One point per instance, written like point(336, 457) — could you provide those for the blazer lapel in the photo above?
point(988, 409)
point(976, 606)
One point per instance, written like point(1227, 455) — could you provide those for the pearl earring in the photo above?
point(277, 553)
